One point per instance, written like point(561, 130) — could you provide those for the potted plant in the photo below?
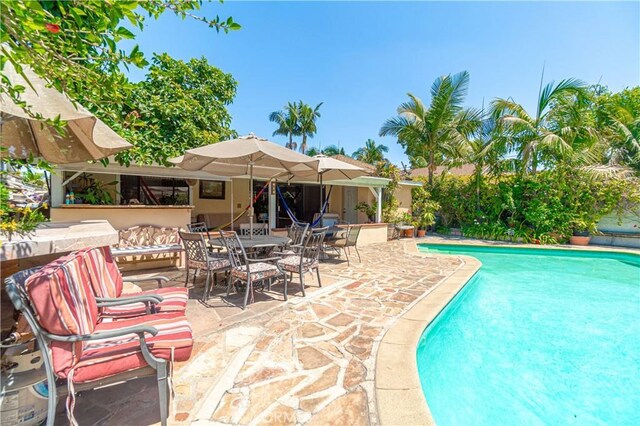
point(582, 230)
point(407, 219)
point(425, 215)
point(369, 210)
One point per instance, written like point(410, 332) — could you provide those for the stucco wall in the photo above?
point(403, 195)
point(125, 216)
point(240, 199)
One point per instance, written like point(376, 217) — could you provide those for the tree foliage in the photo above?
point(371, 152)
point(296, 119)
point(434, 133)
point(180, 105)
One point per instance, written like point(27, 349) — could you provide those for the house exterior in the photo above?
point(173, 197)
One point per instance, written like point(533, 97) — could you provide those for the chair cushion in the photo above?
point(292, 263)
point(174, 300)
point(215, 263)
point(106, 278)
point(62, 297)
point(258, 271)
point(108, 357)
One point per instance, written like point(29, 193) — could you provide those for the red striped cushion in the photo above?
point(62, 297)
point(106, 278)
point(113, 356)
point(174, 300)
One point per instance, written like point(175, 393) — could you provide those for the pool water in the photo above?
point(536, 337)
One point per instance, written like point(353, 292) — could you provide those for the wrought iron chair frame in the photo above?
point(196, 246)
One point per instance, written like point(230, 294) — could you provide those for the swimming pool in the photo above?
point(536, 337)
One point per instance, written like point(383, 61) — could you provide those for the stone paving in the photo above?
point(310, 361)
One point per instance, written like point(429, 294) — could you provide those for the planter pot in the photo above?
point(408, 233)
point(579, 241)
point(422, 232)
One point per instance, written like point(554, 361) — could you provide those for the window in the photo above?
point(212, 189)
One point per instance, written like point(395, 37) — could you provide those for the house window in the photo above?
point(153, 190)
point(212, 189)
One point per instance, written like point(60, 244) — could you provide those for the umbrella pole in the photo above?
point(251, 200)
point(321, 200)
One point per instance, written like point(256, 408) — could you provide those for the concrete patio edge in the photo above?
point(398, 391)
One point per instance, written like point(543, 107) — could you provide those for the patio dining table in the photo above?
point(258, 241)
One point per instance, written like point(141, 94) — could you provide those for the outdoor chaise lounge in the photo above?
point(80, 347)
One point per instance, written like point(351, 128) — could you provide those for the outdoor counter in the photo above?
point(126, 216)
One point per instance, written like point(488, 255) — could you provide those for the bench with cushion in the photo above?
point(147, 240)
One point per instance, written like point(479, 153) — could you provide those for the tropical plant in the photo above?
point(540, 138)
point(307, 117)
point(180, 105)
point(329, 151)
point(371, 153)
point(287, 121)
point(619, 116)
point(369, 209)
point(435, 132)
point(74, 45)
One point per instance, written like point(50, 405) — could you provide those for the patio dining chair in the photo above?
point(307, 260)
point(199, 258)
point(107, 284)
point(258, 229)
point(202, 228)
point(344, 244)
point(79, 347)
point(297, 233)
point(247, 270)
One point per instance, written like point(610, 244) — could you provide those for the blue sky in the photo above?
point(361, 58)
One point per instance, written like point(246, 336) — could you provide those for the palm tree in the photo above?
point(332, 150)
point(287, 121)
point(539, 138)
point(307, 122)
point(371, 153)
point(313, 151)
point(435, 132)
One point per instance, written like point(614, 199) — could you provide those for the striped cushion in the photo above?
point(292, 263)
point(258, 271)
point(62, 297)
point(106, 278)
point(63, 300)
point(174, 300)
point(108, 357)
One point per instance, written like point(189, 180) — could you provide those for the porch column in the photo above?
point(379, 205)
point(57, 191)
point(272, 204)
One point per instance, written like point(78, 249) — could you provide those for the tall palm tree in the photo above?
point(287, 121)
point(538, 138)
point(371, 152)
point(307, 122)
point(436, 131)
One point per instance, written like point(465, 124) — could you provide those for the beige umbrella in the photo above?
point(331, 169)
point(246, 155)
point(87, 138)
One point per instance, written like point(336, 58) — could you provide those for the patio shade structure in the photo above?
point(244, 156)
point(331, 169)
point(87, 138)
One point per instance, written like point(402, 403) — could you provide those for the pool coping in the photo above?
point(399, 395)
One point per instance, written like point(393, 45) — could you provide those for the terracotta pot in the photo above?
point(422, 232)
point(408, 233)
point(579, 241)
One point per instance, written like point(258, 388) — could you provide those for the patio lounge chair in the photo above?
point(107, 284)
point(199, 258)
point(77, 345)
point(307, 259)
point(350, 240)
point(249, 271)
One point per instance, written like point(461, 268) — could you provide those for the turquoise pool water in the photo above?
point(537, 337)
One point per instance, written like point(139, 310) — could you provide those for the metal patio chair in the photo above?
point(247, 270)
point(199, 258)
point(307, 260)
point(344, 244)
point(77, 346)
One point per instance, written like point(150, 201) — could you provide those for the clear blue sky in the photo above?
point(361, 58)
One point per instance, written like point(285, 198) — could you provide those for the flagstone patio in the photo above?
point(309, 361)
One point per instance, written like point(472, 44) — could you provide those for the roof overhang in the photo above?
point(139, 170)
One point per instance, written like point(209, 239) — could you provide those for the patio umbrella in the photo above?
point(330, 169)
point(245, 156)
point(87, 138)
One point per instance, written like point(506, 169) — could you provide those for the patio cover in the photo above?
point(87, 138)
